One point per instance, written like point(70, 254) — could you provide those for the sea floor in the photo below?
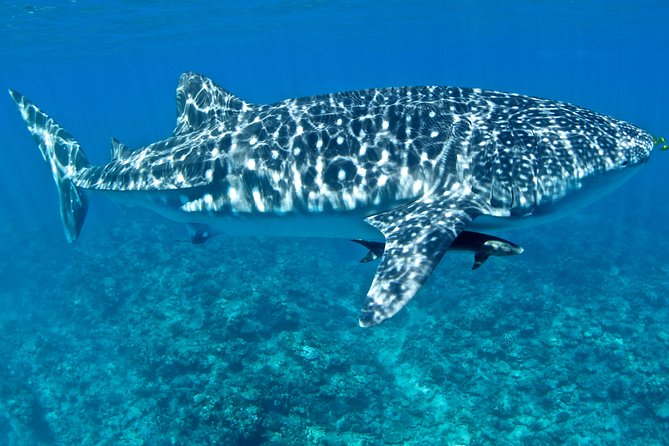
point(132, 337)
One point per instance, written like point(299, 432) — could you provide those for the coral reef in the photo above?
point(131, 337)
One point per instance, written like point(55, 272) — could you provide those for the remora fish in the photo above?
point(411, 166)
point(482, 245)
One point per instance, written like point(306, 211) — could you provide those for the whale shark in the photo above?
point(409, 168)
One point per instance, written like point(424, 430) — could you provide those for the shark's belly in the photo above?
point(346, 225)
point(296, 225)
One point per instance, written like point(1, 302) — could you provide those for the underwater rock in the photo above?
point(662, 410)
point(309, 353)
point(663, 335)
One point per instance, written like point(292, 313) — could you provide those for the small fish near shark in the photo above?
point(482, 245)
point(410, 171)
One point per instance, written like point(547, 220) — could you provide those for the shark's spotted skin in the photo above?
point(419, 164)
point(349, 150)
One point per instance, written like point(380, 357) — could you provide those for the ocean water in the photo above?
point(134, 336)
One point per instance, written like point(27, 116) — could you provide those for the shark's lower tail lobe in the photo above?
point(65, 158)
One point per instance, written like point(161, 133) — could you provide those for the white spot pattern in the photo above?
point(448, 148)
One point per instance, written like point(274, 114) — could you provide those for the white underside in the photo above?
point(296, 225)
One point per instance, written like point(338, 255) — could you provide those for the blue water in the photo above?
point(132, 336)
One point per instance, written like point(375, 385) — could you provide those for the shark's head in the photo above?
point(595, 156)
point(623, 159)
point(633, 147)
point(619, 155)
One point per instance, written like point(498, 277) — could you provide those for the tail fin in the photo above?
point(65, 157)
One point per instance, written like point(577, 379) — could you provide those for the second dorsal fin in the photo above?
point(199, 99)
point(118, 149)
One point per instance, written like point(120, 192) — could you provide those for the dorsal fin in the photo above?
point(118, 149)
point(199, 99)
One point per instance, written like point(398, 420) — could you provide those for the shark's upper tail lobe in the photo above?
point(65, 158)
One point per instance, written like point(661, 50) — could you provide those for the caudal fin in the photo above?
point(65, 158)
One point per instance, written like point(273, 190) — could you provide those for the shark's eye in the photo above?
point(624, 163)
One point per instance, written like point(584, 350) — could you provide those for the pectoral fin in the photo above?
point(417, 236)
point(479, 259)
